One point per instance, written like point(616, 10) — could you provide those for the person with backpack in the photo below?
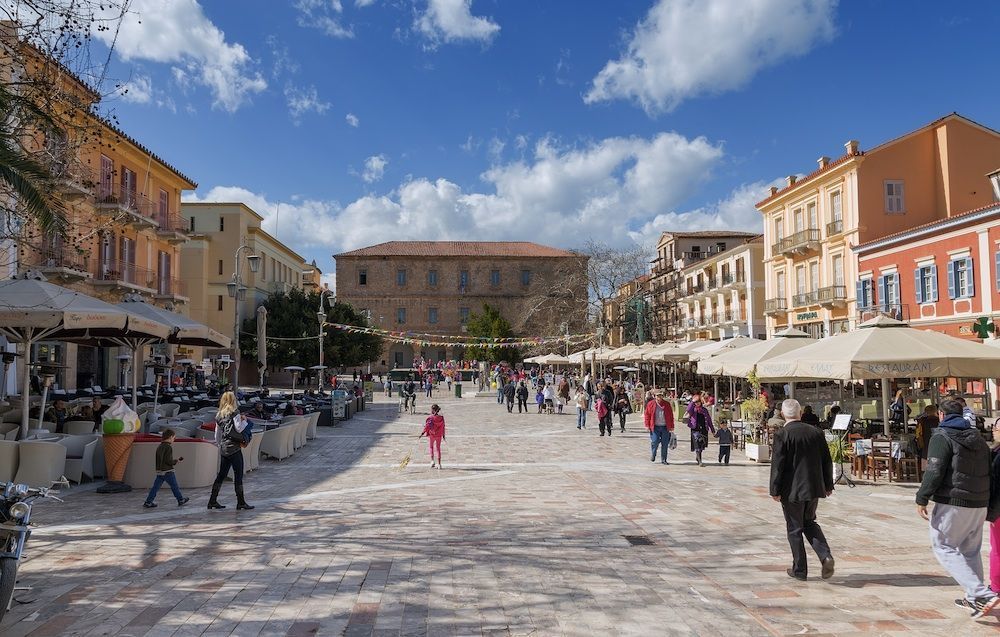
point(229, 437)
point(522, 397)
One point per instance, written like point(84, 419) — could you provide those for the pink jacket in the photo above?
point(434, 427)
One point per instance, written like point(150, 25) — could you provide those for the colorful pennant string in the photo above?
point(428, 340)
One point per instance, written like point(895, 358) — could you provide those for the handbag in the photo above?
point(673, 442)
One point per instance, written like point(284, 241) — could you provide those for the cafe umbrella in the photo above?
point(884, 348)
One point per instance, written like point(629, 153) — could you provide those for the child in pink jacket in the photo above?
point(434, 430)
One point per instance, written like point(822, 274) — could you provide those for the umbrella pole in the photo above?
point(135, 378)
point(885, 405)
point(715, 395)
point(26, 386)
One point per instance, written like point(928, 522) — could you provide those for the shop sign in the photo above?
point(806, 316)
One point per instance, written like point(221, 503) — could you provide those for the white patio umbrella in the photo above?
point(717, 347)
point(609, 355)
point(552, 359)
point(884, 348)
point(741, 361)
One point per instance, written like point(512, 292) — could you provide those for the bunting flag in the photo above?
point(429, 340)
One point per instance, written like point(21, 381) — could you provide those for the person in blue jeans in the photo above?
point(165, 464)
point(659, 421)
point(582, 401)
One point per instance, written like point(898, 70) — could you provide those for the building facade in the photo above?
point(722, 296)
point(208, 262)
point(433, 287)
point(676, 251)
point(812, 223)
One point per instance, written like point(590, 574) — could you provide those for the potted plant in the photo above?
point(753, 409)
point(838, 453)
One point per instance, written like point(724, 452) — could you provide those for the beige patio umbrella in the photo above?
point(741, 361)
point(609, 355)
point(717, 347)
point(552, 359)
point(885, 348)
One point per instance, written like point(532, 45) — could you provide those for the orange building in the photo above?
point(812, 224)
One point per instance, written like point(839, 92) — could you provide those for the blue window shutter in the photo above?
point(898, 298)
point(970, 277)
point(859, 293)
point(883, 298)
point(934, 289)
point(951, 279)
point(918, 284)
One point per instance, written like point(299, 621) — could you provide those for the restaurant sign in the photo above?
point(807, 316)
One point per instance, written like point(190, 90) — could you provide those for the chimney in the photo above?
point(823, 162)
point(995, 182)
point(852, 147)
point(774, 190)
point(790, 180)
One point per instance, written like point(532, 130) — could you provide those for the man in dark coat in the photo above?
point(801, 474)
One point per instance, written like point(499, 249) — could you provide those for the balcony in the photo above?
point(127, 207)
point(774, 307)
point(172, 227)
point(694, 290)
point(65, 264)
point(691, 256)
point(74, 181)
point(834, 227)
point(805, 299)
point(279, 287)
point(662, 268)
point(799, 243)
point(172, 289)
point(733, 316)
point(895, 311)
point(832, 296)
point(732, 280)
point(120, 274)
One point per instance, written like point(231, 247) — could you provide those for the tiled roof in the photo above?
point(952, 220)
point(142, 148)
point(457, 249)
point(708, 234)
point(812, 175)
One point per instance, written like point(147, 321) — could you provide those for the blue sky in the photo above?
point(554, 121)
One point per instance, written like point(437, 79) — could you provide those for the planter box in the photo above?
point(758, 453)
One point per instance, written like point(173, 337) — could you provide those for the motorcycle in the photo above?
point(15, 520)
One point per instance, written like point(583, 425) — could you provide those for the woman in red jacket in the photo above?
point(659, 420)
point(434, 430)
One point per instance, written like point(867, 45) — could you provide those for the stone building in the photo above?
point(433, 287)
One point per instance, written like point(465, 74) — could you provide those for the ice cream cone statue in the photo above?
point(119, 424)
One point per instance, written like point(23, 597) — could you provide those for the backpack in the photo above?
point(602, 409)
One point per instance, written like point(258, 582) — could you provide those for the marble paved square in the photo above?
point(524, 532)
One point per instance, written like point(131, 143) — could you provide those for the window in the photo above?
point(432, 315)
point(894, 196)
point(836, 207)
point(463, 279)
point(888, 288)
point(191, 225)
point(799, 220)
point(164, 210)
point(814, 276)
point(432, 278)
point(220, 266)
point(960, 279)
point(495, 277)
point(779, 229)
point(362, 276)
point(525, 277)
point(813, 217)
point(865, 293)
point(107, 177)
point(781, 285)
point(401, 315)
point(925, 284)
point(222, 224)
point(219, 306)
point(996, 273)
point(400, 277)
point(463, 315)
point(838, 270)
point(800, 280)
point(263, 267)
point(128, 186)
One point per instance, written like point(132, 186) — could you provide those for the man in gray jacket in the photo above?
point(957, 480)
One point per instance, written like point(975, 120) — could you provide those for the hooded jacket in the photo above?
point(958, 466)
point(434, 426)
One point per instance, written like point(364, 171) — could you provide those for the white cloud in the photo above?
point(137, 90)
point(325, 16)
point(452, 21)
point(684, 48)
point(302, 101)
point(374, 168)
point(352, 120)
point(284, 63)
point(178, 32)
point(364, 3)
point(495, 149)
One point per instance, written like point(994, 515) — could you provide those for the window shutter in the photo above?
point(951, 279)
point(934, 288)
point(897, 297)
point(919, 284)
point(883, 297)
point(997, 273)
point(859, 293)
point(970, 277)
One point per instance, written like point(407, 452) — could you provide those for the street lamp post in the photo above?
point(321, 317)
point(238, 292)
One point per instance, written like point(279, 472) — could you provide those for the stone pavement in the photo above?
point(522, 533)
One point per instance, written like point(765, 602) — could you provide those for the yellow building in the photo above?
point(208, 260)
point(122, 204)
point(722, 295)
point(811, 224)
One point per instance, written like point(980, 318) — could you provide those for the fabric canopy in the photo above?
point(610, 355)
point(741, 361)
point(183, 330)
point(716, 347)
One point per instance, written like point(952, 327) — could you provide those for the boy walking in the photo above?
point(165, 471)
point(725, 436)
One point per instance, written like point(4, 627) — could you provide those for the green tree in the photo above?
point(292, 315)
point(490, 323)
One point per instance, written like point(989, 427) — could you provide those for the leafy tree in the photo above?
point(490, 323)
point(292, 315)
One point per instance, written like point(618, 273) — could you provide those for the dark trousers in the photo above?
point(605, 424)
point(171, 480)
point(800, 520)
point(235, 462)
point(621, 419)
point(522, 403)
point(724, 453)
point(510, 405)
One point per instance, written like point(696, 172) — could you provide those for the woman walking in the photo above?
point(623, 406)
point(434, 430)
point(582, 405)
point(700, 424)
point(229, 426)
point(563, 394)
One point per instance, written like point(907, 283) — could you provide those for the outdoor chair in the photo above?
point(9, 430)
point(8, 460)
point(199, 468)
point(880, 459)
point(12, 415)
point(168, 410)
point(313, 423)
point(79, 427)
point(251, 454)
point(275, 443)
point(79, 456)
point(40, 464)
point(908, 468)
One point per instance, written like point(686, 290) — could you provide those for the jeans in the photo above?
point(956, 538)
point(510, 405)
point(522, 403)
point(235, 462)
point(724, 453)
point(581, 418)
point(171, 480)
point(499, 394)
point(660, 437)
point(800, 519)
